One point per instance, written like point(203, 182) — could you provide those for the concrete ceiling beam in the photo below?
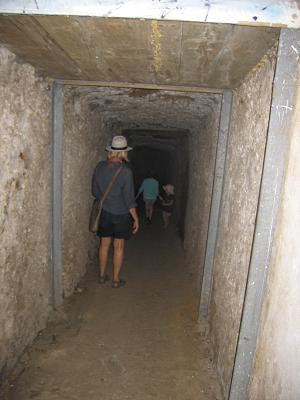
point(148, 86)
point(136, 53)
point(241, 12)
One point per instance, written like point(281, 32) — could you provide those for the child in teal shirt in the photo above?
point(150, 190)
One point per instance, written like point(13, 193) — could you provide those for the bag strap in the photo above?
point(111, 184)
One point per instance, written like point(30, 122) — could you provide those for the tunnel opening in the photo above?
point(164, 154)
point(173, 132)
point(150, 161)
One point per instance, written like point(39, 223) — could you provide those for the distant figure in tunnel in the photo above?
point(167, 203)
point(150, 190)
point(118, 217)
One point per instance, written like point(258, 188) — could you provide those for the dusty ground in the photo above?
point(139, 342)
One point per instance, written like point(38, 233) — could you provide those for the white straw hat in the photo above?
point(119, 143)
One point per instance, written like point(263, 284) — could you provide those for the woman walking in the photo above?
point(118, 217)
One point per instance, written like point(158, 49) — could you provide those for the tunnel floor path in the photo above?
point(139, 342)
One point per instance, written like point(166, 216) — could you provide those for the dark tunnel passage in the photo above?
point(148, 161)
point(173, 134)
point(164, 155)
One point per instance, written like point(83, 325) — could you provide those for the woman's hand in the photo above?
point(136, 224)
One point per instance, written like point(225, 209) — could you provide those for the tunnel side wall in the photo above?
point(277, 365)
point(25, 279)
point(202, 150)
point(246, 146)
point(85, 139)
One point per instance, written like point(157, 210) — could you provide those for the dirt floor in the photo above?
point(139, 342)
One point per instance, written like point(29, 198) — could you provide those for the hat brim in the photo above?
point(109, 148)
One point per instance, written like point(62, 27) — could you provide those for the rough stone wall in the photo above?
point(25, 279)
point(202, 153)
point(277, 365)
point(85, 138)
point(249, 122)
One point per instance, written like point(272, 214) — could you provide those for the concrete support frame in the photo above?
point(57, 150)
point(243, 12)
point(216, 203)
point(285, 86)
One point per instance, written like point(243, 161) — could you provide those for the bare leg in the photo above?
point(166, 218)
point(119, 245)
point(103, 254)
point(147, 209)
point(151, 210)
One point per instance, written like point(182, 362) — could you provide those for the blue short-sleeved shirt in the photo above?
point(150, 188)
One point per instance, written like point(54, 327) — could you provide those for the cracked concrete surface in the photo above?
point(120, 50)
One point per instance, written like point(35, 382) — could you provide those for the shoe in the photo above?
point(118, 284)
point(148, 221)
point(103, 279)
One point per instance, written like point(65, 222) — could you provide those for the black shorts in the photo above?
point(115, 226)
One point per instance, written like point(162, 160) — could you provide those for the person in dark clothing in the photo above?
point(118, 217)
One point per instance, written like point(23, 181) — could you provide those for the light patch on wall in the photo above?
point(265, 59)
point(156, 45)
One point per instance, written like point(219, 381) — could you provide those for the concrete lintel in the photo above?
point(216, 203)
point(149, 86)
point(242, 12)
point(284, 90)
point(57, 151)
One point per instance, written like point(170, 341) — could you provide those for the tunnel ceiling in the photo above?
point(155, 139)
point(137, 51)
point(150, 109)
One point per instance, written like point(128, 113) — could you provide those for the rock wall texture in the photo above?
point(202, 155)
point(25, 279)
point(85, 138)
point(277, 365)
point(249, 122)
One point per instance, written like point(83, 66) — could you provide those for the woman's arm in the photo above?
point(128, 193)
point(135, 217)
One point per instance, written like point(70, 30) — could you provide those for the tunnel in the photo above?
point(163, 154)
point(209, 104)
